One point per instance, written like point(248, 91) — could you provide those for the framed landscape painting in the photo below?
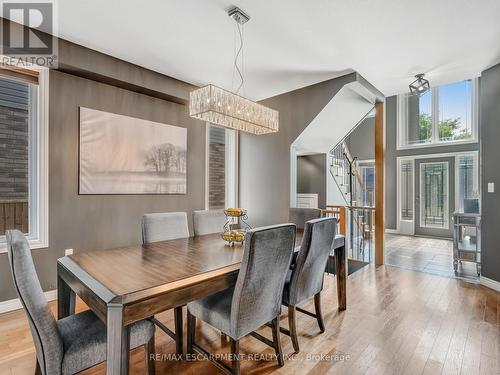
point(125, 155)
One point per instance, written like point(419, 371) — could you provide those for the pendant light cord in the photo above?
point(236, 67)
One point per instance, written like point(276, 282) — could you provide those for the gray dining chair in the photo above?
point(163, 227)
point(208, 221)
point(305, 279)
point(254, 300)
point(71, 344)
point(299, 216)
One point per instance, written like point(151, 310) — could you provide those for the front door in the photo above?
point(434, 196)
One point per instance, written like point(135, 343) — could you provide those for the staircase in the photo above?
point(347, 176)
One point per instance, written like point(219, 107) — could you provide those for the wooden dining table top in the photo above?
point(132, 270)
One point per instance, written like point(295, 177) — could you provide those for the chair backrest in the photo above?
point(48, 342)
point(299, 216)
point(259, 287)
point(164, 226)
point(309, 269)
point(208, 222)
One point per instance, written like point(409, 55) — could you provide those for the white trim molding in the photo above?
point(391, 231)
point(15, 304)
point(490, 283)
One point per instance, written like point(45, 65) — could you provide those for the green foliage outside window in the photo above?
point(449, 129)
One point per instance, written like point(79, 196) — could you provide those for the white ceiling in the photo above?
point(293, 43)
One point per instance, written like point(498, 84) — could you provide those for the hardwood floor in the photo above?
point(397, 322)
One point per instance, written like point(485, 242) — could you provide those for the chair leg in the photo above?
point(38, 371)
point(293, 328)
point(178, 330)
point(191, 329)
point(235, 356)
point(319, 315)
point(276, 340)
point(149, 350)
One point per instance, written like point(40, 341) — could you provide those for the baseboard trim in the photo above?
point(15, 304)
point(392, 231)
point(489, 283)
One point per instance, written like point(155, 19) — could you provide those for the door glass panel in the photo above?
point(434, 205)
point(467, 180)
point(406, 190)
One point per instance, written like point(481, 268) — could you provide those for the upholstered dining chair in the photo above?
point(305, 279)
point(166, 226)
point(208, 221)
point(71, 344)
point(299, 216)
point(256, 297)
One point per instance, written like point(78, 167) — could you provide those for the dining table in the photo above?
point(127, 284)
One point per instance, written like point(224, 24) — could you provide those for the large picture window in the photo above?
point(443, 115)
point(23, 159)
point(221, 167)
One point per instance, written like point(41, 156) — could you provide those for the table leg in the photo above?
point(341, 274)
point(65, 299)
point(118, 342)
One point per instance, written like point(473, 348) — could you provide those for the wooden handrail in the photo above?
point(19, 73)
point(2, 201)
point(341, 214)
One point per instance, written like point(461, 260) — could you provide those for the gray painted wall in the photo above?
point(84, 222)
point(265, 160)
point(391, 154)
point(490, 156)
point(361, 142)
point(311, 176)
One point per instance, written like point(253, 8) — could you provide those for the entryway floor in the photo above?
point(429, 255)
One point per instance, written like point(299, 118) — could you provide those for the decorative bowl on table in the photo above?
point(233, 236)
point(236, 225)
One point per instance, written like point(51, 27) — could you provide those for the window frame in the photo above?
point(39, 170)
point(230, 165)
point(402, 120)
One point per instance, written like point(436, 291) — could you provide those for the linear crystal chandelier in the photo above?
point(231, 110)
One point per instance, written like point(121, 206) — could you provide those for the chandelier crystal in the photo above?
point(228, 109)
point(222, 107)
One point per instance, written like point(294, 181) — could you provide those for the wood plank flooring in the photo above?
point(397, 322)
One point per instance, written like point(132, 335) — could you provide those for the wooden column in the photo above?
point(379, 183)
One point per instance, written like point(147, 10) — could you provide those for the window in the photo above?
point(467, 179)
point(443, 115)
point(406, 189)
point(23, 168)
point(368, 179)
point(221, 167)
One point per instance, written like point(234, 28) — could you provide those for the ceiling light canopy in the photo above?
point(228, 109)
point(420, 85)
